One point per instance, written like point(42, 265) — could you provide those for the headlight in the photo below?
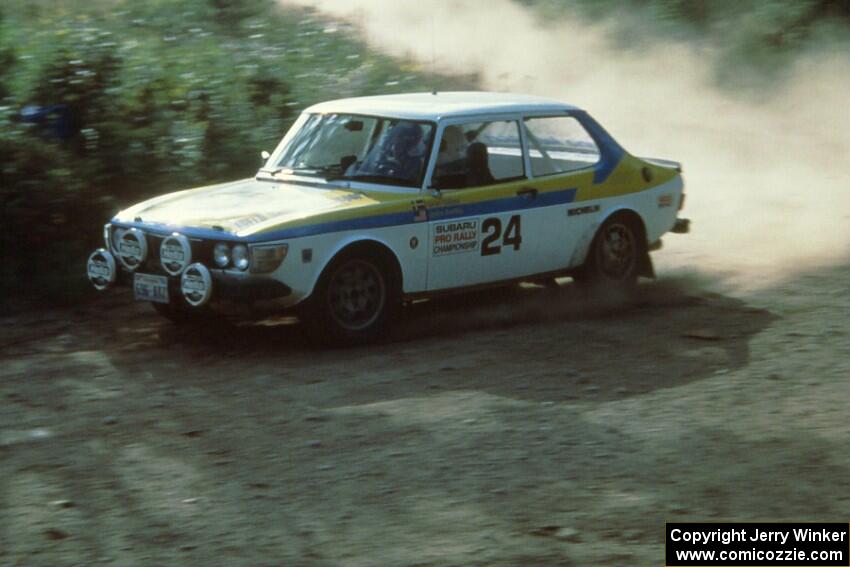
point(221, 255)
point(240, 257)
point(268, 258)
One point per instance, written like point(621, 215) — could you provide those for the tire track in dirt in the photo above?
point(490, 423)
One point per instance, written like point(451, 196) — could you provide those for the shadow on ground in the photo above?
point(508, 427)
point(540, 343)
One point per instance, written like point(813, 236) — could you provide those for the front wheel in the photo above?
point(356, 298)
point(613, 261)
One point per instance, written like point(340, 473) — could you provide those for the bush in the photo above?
point(758, 33)
point(159, 95)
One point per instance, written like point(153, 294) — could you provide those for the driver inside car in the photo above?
point(400, 154)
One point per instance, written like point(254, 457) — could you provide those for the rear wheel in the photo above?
point(614, 259)
point(356, 298)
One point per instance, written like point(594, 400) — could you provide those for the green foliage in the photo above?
point(168, 94)
point(7, 61)
point(758, 36)
point(233, 12)
point(39, 199)
point(162, 95)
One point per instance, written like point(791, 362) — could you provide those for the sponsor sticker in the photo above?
point(128, 248)
point(446, 211)
point(196, 284)
point(101, 269)
point(173, 252)
point(132, 248)
point(420, 213)
point(455, 237)
point(249, 220)
point(582, 210)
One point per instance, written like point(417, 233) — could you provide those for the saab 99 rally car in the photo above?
point(370, 202)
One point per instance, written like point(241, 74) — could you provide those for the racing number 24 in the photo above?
point(492, 228)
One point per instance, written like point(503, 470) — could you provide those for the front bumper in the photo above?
point(249, 288)
point(104, 272)
point(225, 286)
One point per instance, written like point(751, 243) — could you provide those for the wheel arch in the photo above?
point(631, 216)
point(366, 246)
point(318, 314)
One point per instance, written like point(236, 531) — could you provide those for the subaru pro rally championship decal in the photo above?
point(455, 237)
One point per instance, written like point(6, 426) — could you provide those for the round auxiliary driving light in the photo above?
point(196, 284)
point(240, 257)
point(101, 269)
point(221, 254)
point(132, 248)
point(175, 253)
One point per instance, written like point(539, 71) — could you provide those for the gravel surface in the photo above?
point(518, 427)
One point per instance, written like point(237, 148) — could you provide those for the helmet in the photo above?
point(453, 146)
point(404, 137)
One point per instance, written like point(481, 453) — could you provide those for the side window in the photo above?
point(559, 144)
point(478, 153)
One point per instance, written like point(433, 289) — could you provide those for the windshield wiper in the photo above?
point(313, 171)
point(328, 172)
point(373, 178)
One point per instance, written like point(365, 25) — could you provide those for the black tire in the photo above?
point(356, 299)
point(615, 256)
point(181, 313)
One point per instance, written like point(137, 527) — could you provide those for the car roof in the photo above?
point(439, 105)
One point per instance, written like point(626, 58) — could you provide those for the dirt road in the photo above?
point(528, 430)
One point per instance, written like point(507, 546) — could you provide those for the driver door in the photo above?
point(481, 218)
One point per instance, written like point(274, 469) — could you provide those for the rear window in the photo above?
point(559, 144)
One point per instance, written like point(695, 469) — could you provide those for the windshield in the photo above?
point(358, 148)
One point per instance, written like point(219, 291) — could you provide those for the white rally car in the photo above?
point(370, 202)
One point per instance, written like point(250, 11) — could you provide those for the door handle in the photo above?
point(531, 191)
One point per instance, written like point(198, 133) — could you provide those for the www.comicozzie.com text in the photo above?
point(727, 536)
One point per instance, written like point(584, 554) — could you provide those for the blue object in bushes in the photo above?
point(55, 119)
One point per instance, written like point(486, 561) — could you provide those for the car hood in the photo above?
point(243, 207)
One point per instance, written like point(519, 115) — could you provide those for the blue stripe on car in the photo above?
point(517, 203)
point(611, 152)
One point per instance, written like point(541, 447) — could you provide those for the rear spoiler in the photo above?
point(669, 164)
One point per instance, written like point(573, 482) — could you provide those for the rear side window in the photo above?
point(559, 144)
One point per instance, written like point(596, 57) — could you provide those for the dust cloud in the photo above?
point(767, 180)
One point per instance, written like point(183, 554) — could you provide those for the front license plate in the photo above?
point(150, 288)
